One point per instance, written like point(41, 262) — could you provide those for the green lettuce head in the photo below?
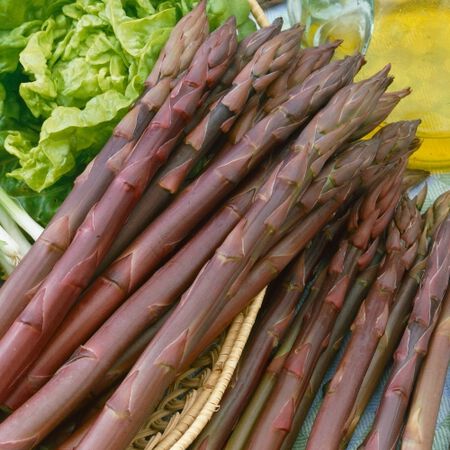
point(86, 65)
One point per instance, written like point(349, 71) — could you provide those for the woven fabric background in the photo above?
point(437, 184)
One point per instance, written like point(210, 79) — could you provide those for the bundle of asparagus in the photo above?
point(277, 320)
point(368, 327)
point(422, 416)
point(400, 312)
point(144, 254)
point(413, 345)
point(367, 221)
point(175, 58)
point(235, 169)
point(74, 270)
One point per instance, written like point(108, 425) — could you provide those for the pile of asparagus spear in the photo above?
point(242, 165)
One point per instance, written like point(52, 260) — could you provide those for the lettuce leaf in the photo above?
point(14, 13)
point(87, 65)
point(220, 10)
point(15, 115)
point(41, 206)
point(18, 21)
point(76, 67)
point(12, 42)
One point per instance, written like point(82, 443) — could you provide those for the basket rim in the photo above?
point(202, 401)
point(258, 13)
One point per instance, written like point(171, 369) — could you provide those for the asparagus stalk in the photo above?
point(116, 335)
point(310, 60)
point(174, 346)
point(71, 431)
point(319, 56)
point(413, 345)
point(420, 197)
point(339, 179)
point(266, 65)
point(258, 399)
point(414, 177)
point(175, 58)
point(386, 104)
point(269, 332)
point(30, 332)
point(245, 52)
point(369, 325)
point(244, 123)
point(398, 316)
point(345, 318)
point(193, 204)
point(367, 221)
point(422, 417)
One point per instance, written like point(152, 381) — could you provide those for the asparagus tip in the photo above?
point(415, 144)
point(381, 76)
point(421, 196)
point(231, 21)
point(334, 44)
point(277, 23)
point(403, 92)
point(386, 69)
point(294, 33)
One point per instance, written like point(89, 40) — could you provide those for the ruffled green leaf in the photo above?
point(220, 10)
point(66, 133)
point(18, 21)
point(85, 63)
point(87, 66)
point(41, 206)
point(12, 43)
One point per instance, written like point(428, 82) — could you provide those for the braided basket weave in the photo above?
point(195, 396)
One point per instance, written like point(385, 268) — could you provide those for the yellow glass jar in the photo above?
point(414, 36)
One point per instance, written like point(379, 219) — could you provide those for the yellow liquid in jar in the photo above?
point(414, 36)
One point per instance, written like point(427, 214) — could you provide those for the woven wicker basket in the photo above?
point(194, 397)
